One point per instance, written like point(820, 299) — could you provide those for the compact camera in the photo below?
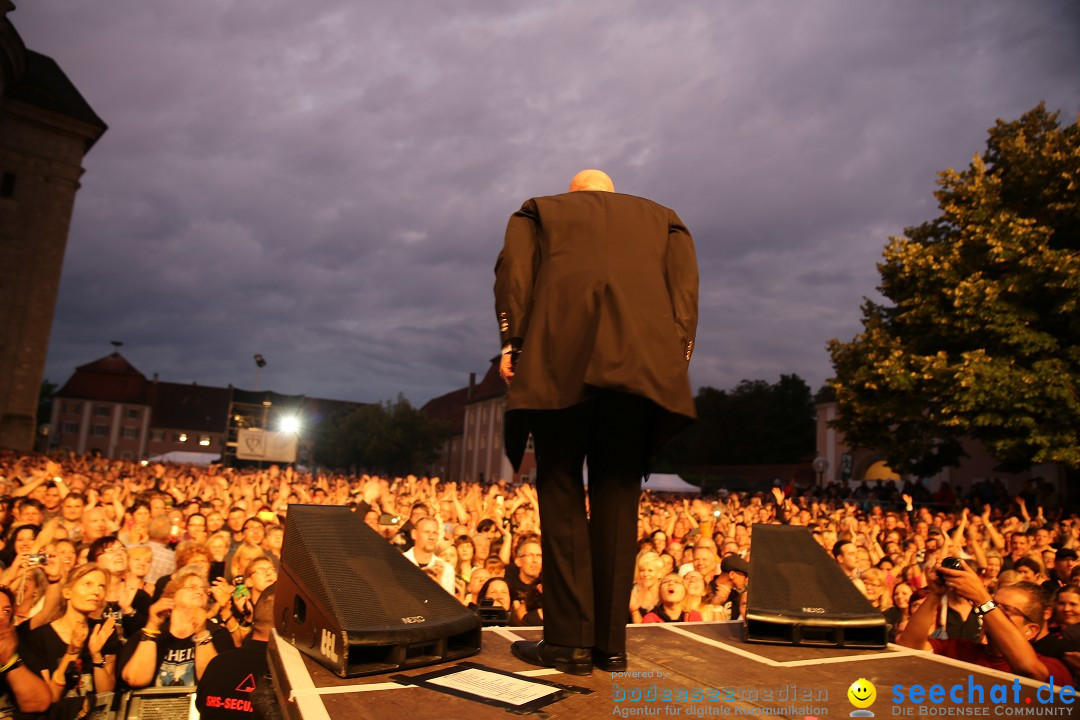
point(952, 563)
point(36, 559)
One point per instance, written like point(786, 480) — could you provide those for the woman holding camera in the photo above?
point(178, 642)
point(237, 602)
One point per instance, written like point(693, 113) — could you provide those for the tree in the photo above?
point(755, 423)
point(981, 336)
point(45, 401)
point(392, 437)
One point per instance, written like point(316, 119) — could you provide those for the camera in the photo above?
point(240, 590)
point(492, 614)
point(952, 563)
point(388, 519)
point(36, 559)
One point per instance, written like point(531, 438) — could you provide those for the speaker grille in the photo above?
point(800, 596)
point(792, 574)
point(359, 576)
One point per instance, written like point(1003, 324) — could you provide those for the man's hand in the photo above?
point(506, 367)
point(965, 582)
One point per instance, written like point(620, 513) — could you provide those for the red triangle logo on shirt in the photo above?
point(247, 684)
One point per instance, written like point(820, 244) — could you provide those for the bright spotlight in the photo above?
point(289, 424)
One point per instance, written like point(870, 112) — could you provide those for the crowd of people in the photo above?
point(119, 575)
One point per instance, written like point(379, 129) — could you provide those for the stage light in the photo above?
point(183, 437)
point(205, 442)
point(289, 424)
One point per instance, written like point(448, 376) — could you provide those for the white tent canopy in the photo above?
point(658, 482)
point(669, 482)
point(186, 458)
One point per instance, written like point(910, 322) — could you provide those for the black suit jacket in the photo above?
point(599, 290)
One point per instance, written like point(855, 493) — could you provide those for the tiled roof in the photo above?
point(492, 386)
point(111, 379)
point(449, 409)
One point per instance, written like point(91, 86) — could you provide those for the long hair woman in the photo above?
point(76, 653)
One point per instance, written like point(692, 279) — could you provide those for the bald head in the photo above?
point(592, 180)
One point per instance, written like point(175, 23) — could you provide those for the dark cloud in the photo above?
point(327, 183)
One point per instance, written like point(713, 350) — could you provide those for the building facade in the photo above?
point(473, 450)
point(846, 464)
point(46, 128)
point(109, 407)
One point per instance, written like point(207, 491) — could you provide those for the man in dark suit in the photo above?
point(596, 296)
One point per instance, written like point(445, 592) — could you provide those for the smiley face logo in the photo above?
point(862, 693)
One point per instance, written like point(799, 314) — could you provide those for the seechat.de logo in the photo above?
point(1005, 696)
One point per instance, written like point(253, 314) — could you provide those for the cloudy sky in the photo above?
point(327, 182)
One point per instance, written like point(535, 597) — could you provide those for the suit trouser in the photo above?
point(588, 562)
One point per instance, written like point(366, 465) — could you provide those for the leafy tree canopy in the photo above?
point(391, 437)
point(980, 334)
point(755, 423)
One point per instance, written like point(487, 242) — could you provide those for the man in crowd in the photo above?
point(425, 536)
point(163, 561)
point(1064, 561)
point(596, 298)
point(71, 515)
point(731, 584)
point(236, 684)
point(1019, 547)
point(1011, 619)
point(235, 523)
point(529, 563)
point(95, 525)
point(847, 555)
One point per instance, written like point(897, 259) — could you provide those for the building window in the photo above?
point(102, 411)
point(125, 455)
point(133, 413)
point(130, 432)
point(70, 428)
point(157, 435)
point(7, 185)
point(73, 407)
point(101, 430)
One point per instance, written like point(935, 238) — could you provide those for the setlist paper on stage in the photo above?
point(494, 686)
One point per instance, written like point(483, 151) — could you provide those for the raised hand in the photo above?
point(101, 635)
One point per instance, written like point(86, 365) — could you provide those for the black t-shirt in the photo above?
point(519, 590)
point(176, 656)
point(236, 684)
point(959, 627)
point(129, 625)
point(42, 649)
point(1054, 646)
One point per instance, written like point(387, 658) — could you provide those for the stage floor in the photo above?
point(691, 670)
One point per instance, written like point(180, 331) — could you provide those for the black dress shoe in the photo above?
point(609, 662)
point(570, 660)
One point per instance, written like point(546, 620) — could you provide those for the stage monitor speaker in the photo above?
point(348, 598)
point(798, 595)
